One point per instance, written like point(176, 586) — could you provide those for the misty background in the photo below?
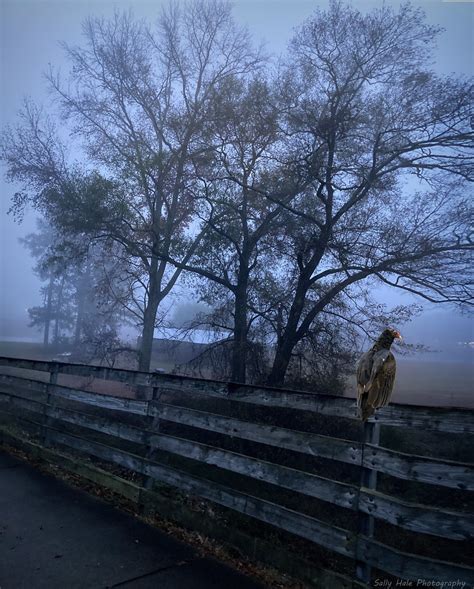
point(30, 35)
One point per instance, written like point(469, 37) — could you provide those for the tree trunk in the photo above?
point(239, 351)
point(154, 297)
point(81, 301)
point(57, 324)
point(49, 302)
point(281, 361)
point(288, 339)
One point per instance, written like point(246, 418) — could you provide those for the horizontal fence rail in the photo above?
point(410, 516)
point(429, 418)
point(405, 466)
point(180, 461)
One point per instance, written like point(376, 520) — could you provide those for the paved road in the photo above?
point(55, 537)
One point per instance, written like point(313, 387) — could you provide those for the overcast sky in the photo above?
point(29, 39)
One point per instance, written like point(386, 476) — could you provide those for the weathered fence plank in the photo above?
point(22, 403)
point(324, 404)
point(455, 525)
point(368, 479)
point(410, 566)
point(20, 397)
point(86, 471)
point(100, 424)
point(445, 473)
point(36, 389)
point(72, 394)
point(96, 423)
point(305, 442)
point(312, 485)
point(409, 467)
point(99, 400)
point(439, 419)
point(175, 510)
point(429, 418)
point(415, 517)
point(332, 537)
point(378, 555)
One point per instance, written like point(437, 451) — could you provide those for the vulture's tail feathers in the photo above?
point(365, 410)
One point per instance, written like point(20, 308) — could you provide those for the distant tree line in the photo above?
point(83, 283)
point(282, 193)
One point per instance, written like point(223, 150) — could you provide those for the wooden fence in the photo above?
point(219, 442)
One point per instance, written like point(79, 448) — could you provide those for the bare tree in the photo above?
point(83, 283)
point(55, 315)
point(238, 220)
point(288, 197)
point(139, 100)
point(366, 114)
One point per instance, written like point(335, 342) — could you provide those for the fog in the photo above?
point(30, 35)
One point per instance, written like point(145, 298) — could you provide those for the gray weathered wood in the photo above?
point(429, 418)
point(312, 485)
point(424, 519)
point(23, 403)
point(375, 554)
point(40, 365)
point(29, 388)
point(101, 372)
point(104, 425)
point(176, 510)
point(96, 399)
point(99, 400)
point(438, 419)
point(154, 428)
point(87, 471)
point(411, 516)
point(411, 567)
point(50, 400)
point(324, 404)
point(368, 479)
point(446, 473)
point(100, 424)
point(23, 381)
point(422, 469)
point(305, 442)
point(332, 537)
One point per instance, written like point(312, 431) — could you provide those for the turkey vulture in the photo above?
point(376, 374)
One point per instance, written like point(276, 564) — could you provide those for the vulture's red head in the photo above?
point(386, 338)
point(391, 333)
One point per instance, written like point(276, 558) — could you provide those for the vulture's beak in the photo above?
point(398, 336)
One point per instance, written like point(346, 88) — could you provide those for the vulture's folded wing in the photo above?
point(364, 368)
point(387, 380)
point(378, 362)
point(382, 378)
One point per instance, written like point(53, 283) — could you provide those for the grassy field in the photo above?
point(32, 351)
point(439, 384)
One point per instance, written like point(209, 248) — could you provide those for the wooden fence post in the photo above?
point(368, 480)
point(53, 379)
point(153, 429)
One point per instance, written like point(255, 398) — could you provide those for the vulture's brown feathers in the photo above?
point(376, 375)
